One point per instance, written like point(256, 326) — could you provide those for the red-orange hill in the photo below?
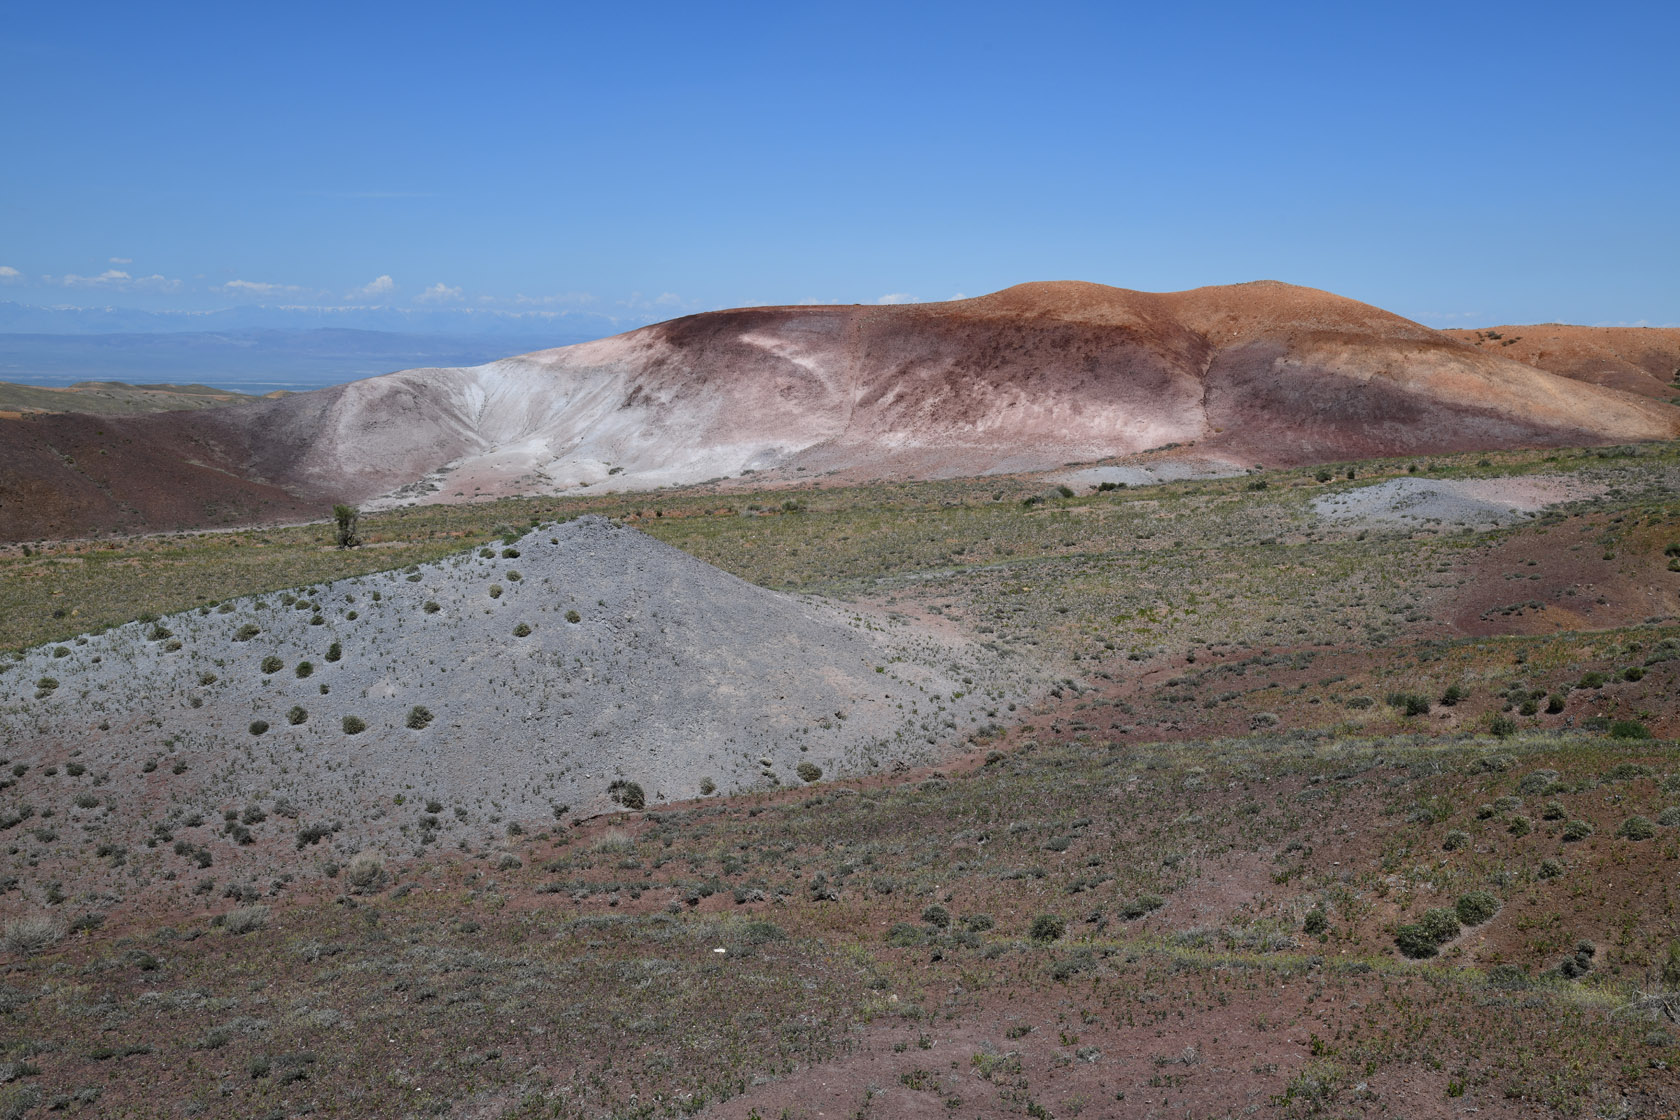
point(1032, 375)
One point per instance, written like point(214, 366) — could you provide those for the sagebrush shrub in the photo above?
point(365, 871)
point(246, 919)
point(29, 935)
point(353, 725)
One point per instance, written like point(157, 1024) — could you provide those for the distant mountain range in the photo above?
point(251, 359)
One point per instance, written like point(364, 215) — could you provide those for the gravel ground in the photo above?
point(1166, 470)
point(1475, 503)
point(669, 673)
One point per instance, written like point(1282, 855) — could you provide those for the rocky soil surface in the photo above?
point(1454, 503)
point(515, 684)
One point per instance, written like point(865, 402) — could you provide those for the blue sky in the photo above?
point(609, 165)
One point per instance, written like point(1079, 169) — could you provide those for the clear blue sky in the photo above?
point(1459, 163)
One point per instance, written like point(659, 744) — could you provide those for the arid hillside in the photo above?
point(1026, 379)
point(1643, 360)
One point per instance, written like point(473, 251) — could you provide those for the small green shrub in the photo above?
point(573, 616)
point(1576, 830)
point(1135, 908)
point(1591, 680)
point(297, 715)
point(1476, 907)
point(272, 664)
point(258, 726)
point(1425, 937)
point(304, 669)
point(1317, 921)
point(1637, 829)
point(904, 935)
point(1047, 927)
point(1554, 703)
point(1454, 840)
point(937, 915)
point(523, 630)
point(1629, 729)
point(419, 717)
point(246, 632)
point(353, 725)
point(334, 652)
point(809, 772)
point(628, 794)
point(1408, 703)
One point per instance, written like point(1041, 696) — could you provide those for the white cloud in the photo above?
point(439, 293)
point(120, 280)
point(897, 297)
point(373, 289)
point(9, 275)
point(122, 260)
point(257, 288)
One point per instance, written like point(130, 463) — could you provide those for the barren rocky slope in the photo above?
point(1028, 378)
point(1643, 360)
point(506, 686)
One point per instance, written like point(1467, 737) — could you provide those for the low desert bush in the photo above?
point(1425, 937)
point(246, 919)
point(1476, 907)
point(1047, 927)
point(353, 725)
point(365, 872)
point(1637, 828)
point(31, 934)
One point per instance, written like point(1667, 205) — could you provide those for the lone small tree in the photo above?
point(347, 517)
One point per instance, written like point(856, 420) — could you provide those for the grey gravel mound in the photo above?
point(583, 655)
point(1470, 503)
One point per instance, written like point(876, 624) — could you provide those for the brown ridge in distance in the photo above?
point(1024, 379)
